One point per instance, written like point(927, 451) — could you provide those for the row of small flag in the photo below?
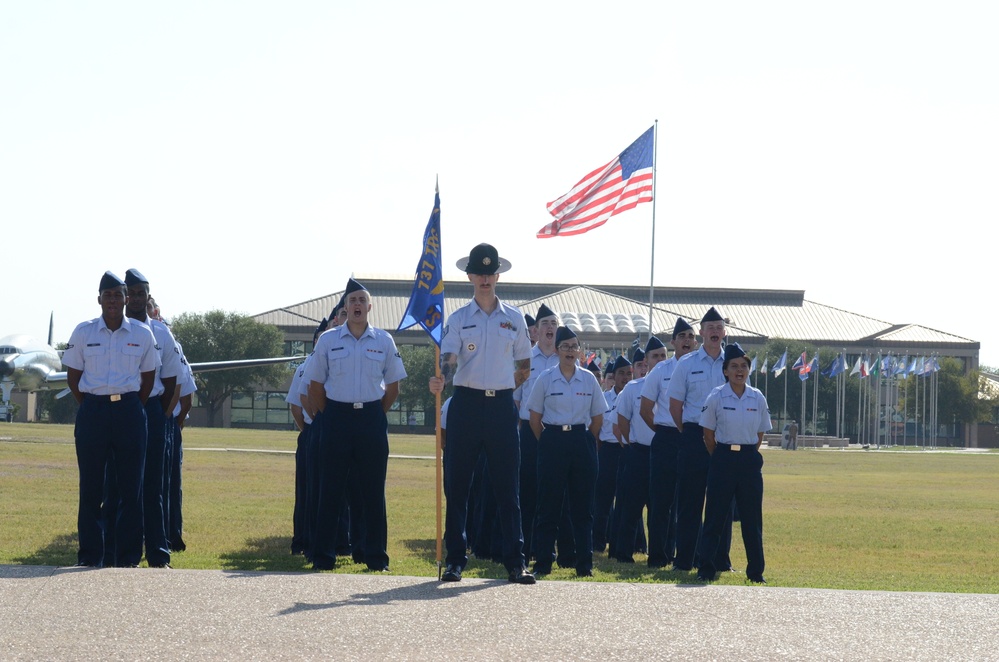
point(865, 366)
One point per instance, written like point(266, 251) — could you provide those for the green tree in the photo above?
point(222, 336)
point(413, 391)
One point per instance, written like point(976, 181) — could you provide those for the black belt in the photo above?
point(115, 397)
point(485, 393)
point(735, 448)
point(352, 405)
point(564, 428)
point(664, 428)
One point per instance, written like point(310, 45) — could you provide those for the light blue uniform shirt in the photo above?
point(298, 384)
point(355, 369)
point(629, 405)
point(610, 416)
point(185, 382)
point(656, 388)
point(736, 420)
point(562, 402)
point(695, 375)
point(539, 363)
point(170, 365)
point(486, 345)
point(111, 361)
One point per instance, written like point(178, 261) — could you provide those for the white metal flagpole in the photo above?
point(652, 261)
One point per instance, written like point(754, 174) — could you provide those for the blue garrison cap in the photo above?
point(353, 286)
point(134, 277)
point(109, 281)
point(681, 326)
point(638, 354)
point(712, 316)
point(563, 333)
point(654, 343)
point(530, 320)
point(733, 351)
point(319, 330)
point(621, 362)
point(544, 311)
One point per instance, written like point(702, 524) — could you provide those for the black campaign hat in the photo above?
point(712, 316)
point(484, 259)
point(544, 311)
point(654, 343)
point(733, 351)
point(563, 333)
point(681, 326)
point(134, 277)
point(109, 282)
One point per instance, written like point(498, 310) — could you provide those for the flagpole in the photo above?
point(652, 261)
point(439, 460)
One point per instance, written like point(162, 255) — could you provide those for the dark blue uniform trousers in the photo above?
point(568, 462)
point(662, 491)
point(691, 483)
point(738, 475)
point(609, 456)
point(168, 450)
point(299, 539)
point(175, 525)
point(154, 521)
point(478, 423)
point(528, 485)
point(634, 491)
point(110, 432)
point(353, 442)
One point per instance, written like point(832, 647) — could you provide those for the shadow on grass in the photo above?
point(60, 552)
point(271, 554)
point(424, 548)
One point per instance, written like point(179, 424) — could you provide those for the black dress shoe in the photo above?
point(584, 573)
point(177, 545)
point(704, 577)
point(451, 574)
point(758, 579)
point(161, 566)
point(522, 576)
point(541, 571)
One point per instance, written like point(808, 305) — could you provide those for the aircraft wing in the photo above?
point(56, 379)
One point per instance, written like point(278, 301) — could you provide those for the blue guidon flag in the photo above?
point(426, 304)
point(618, 186)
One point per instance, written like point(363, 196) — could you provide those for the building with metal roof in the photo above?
point(610, 317)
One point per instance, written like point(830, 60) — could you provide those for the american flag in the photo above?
point(609, 190)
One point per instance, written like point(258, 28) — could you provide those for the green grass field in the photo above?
point(877, 520)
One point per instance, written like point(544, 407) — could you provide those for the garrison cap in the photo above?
point(563, 333)
point(621, 362)
point(530, 321)
point(594, 367)
point(712, 316)
point(544, 311)
point(109, 282)
point(654, 343)
point(352, 286)
point(638, 354)
point(319, 329)
point(733, 351)
point(338, 307)
point(484, 259)
point(682, 325)
point(134, 277)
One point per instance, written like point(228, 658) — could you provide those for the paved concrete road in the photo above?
point(72, 614)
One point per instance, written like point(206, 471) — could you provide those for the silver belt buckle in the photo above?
point(115, 397)
point(566, 428)
point(358, 405)
point(490, 393)
point(736, 447)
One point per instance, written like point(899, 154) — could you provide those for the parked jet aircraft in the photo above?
point(30, 365)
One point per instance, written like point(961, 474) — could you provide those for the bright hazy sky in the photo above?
point(251, 155)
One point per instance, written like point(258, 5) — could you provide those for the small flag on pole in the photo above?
point(426, 303)
point(618, 186)
point(780, 365)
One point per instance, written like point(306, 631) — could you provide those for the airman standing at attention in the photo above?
point(183, 400)
point(485, 350)
point(543, 356)
point(353, 379)
point(567, 409)
point(111, 365)
point(610, 449)
point(734, 420)
point(655, 413)
point(159, 408)
point(634, 490)
point(692, 379)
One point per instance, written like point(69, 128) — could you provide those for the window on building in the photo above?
point(261, 407)
point(298, 347)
